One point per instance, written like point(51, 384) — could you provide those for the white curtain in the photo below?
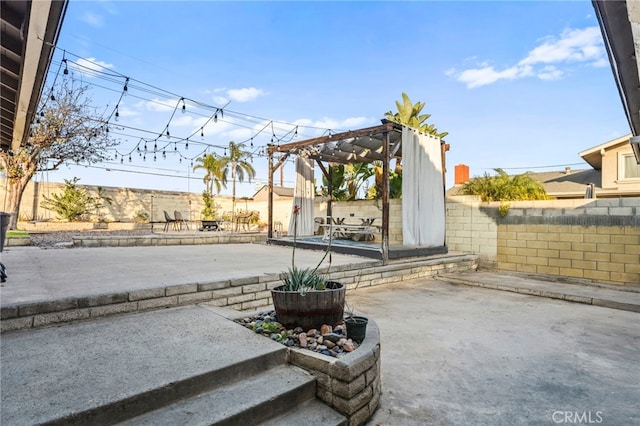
point(423, 219)
point(303, 195)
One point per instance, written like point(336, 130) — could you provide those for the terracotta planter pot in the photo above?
point(313, 309)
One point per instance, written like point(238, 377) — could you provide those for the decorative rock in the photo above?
point(333, 337)
point(328, 341)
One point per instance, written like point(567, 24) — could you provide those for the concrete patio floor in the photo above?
point(459, 355)
point(451, 354)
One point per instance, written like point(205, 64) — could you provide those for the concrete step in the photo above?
point(310, 413)
point(246, 402)
point(113, 369)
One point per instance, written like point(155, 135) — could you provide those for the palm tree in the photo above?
point(215, 172)
point(239, 167)
point(409, 114)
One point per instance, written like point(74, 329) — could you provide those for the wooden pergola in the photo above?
point(378, 143)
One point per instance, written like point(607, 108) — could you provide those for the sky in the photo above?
point(523, 86)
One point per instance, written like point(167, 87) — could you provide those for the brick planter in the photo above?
point(350, 384)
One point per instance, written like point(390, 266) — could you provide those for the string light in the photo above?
point(181, 103)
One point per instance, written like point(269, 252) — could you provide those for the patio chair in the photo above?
point(180, 220)
point(169, 221)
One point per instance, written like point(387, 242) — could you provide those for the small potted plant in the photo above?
point(306, 298)
point(356, 325)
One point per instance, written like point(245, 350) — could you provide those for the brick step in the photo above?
point(112, 369)
point(245, 402)
point(309, 413)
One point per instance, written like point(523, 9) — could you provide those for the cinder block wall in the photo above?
point(596, 240)
point(471, 227)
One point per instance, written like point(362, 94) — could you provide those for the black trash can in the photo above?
point(4, 225)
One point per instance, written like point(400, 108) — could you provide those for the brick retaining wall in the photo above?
point(350, 384)
point(242, 294)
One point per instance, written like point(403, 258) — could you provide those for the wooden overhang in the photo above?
point(378, 143)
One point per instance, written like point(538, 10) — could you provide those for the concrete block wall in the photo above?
point(597, 241)
point(593, 240)
point(471, 228)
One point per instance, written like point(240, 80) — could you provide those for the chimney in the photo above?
point(461, 174)
point(567, 170)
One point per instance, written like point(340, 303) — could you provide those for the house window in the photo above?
point(627, 167)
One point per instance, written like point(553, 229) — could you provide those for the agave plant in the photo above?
point(303, 280)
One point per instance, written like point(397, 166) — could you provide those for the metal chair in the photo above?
point(169, 221)
point(180, 220)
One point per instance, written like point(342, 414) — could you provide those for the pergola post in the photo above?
point(330, 191)
point(270, 198)
point(385, 198)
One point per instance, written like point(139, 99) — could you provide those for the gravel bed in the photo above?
point(331, 341)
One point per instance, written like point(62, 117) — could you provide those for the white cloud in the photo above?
point(89, 67)
point(581, 45)
point(245, 95)
point(550, 73)
point(160, 105)
point(93, 19)
point(488, 75)
point(573, 46)
point(220, 100)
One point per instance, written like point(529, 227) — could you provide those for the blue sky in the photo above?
point(518, 85)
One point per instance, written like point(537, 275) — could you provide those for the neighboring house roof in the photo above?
point(559, 184)
point(593, 155)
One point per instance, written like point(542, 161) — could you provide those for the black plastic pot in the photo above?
point(356, 328)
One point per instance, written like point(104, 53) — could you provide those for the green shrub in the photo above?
point(73, 204)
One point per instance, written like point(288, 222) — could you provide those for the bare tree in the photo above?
point(66, 129)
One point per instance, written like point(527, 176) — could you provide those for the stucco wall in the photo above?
point(127, 202)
